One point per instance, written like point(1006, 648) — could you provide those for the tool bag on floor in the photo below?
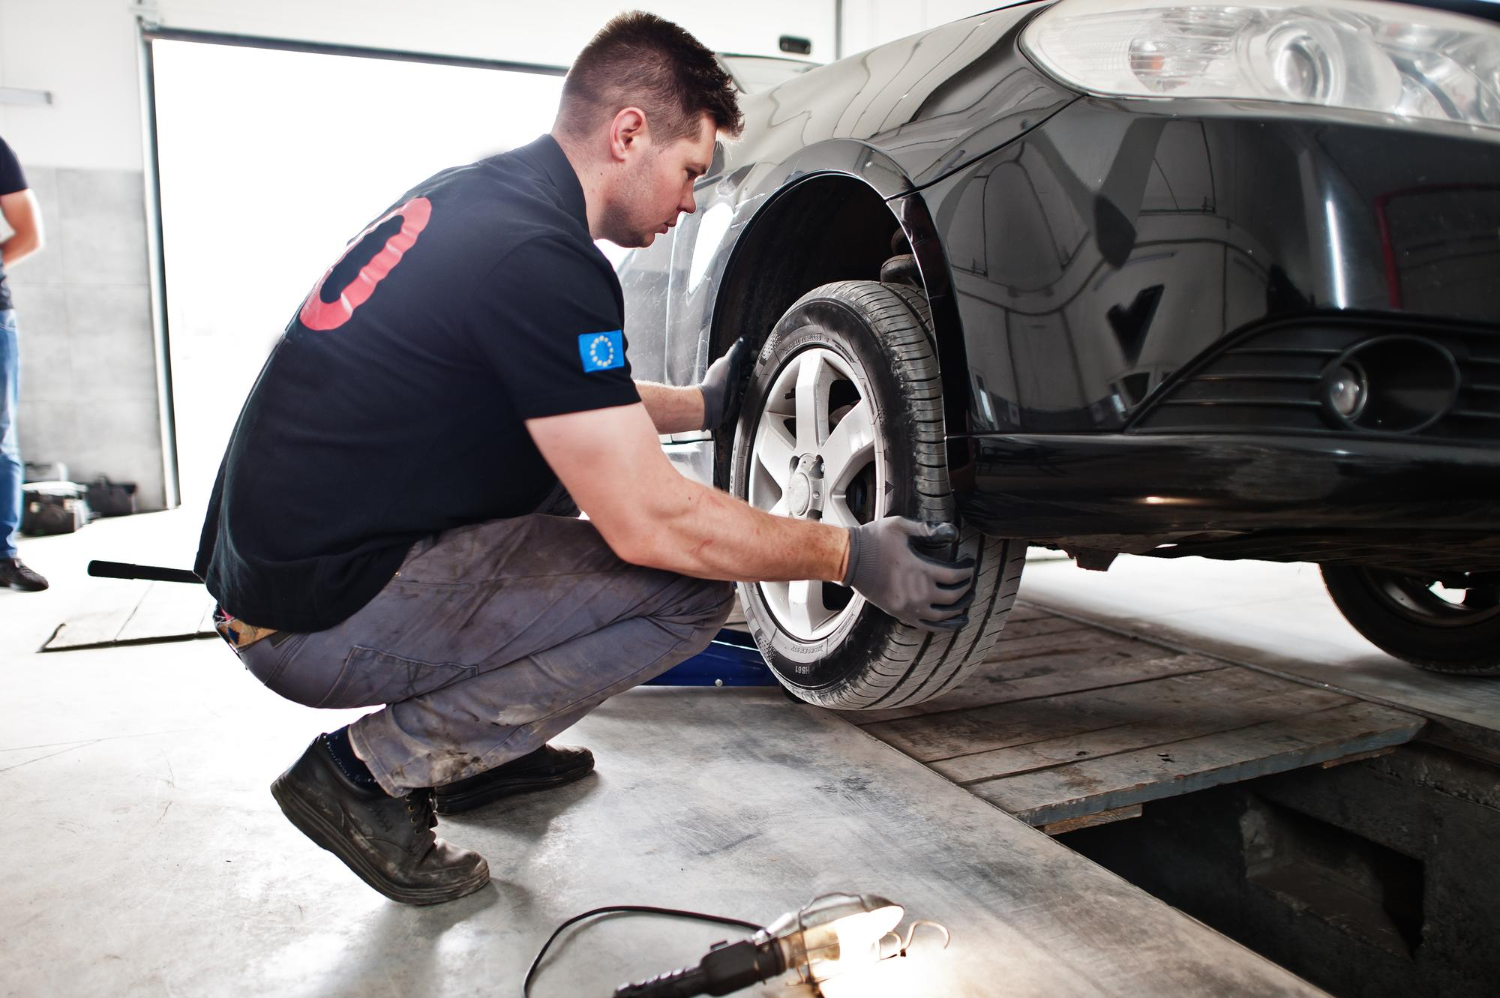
point(107, 498)
point(53, 508)
point(46, 471)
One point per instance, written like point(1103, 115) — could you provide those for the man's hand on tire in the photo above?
point(723, 385)
point(888, 569)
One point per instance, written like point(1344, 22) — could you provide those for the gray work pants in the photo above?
point(491, 639)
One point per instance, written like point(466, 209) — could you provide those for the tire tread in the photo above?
point(912, 665)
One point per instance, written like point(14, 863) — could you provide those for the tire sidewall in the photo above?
point(826, 322)
point(1473, 648)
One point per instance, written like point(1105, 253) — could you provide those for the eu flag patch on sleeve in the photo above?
point(602, 351)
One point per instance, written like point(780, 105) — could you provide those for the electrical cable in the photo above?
point(631, 909)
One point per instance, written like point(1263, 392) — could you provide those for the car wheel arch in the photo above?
point(825, 227)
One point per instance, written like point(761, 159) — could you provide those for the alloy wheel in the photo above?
point(1430, 602)
point(816, 456)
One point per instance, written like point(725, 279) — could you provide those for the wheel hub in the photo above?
point(804, 490)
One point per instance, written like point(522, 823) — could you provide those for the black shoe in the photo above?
point(387, 841)
point(549, 766)
point(15, 575)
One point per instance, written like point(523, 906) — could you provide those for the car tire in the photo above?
point(1403, 615)
point(841, 347)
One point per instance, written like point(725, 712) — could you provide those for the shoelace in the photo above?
point(419, 809)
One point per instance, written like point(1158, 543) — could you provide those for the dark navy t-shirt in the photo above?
point(393, 405)
point(12, 180)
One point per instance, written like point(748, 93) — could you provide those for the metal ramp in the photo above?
point(1072, 725)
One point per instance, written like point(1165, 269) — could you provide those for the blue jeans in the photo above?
point(10, 441)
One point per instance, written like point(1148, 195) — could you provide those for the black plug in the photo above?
point(727, 968)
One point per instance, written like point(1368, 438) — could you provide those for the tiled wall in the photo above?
point(88, 370)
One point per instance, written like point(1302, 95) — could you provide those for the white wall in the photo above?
point(84, 52)
point(515, 30)
point(868, 23)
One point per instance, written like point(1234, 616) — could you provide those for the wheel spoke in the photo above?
point(775, 448)
point(775, 594)
point(805, 603)
point(814, 378)
point(849, 447)
point(780, 508)
point(836, 512)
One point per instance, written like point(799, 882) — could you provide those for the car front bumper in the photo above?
point(1159, 486)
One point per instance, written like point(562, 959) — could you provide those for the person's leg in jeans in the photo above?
point(13, 574)
point(10, 445)
point(490, 640)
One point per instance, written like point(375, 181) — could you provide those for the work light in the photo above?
point(830, 935)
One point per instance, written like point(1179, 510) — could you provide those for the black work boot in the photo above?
point(14, 575)
point(387, 841)
point(549, 766)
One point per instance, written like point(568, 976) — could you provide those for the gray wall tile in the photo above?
point(102, 226)
point(46, 356)
point(49, 430)
point(41, 310)
point(112, 343)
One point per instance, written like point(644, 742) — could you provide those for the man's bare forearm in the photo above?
point(672, 410)
point(18, 247)
point(710, 534)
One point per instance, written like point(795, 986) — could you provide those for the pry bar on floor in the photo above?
point(154, 573)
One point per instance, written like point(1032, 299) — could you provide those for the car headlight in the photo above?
point(1360, 54)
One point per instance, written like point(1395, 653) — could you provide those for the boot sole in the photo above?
point(323, 834)
point(469, 800)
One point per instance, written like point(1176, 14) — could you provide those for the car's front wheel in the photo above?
point(1419, 619)
point(843, 423)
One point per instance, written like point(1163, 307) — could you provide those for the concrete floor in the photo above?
point(146, 856)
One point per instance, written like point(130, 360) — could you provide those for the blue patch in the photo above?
point(602, 351)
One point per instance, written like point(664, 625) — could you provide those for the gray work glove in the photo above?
point(888, 568)
point(723, 384)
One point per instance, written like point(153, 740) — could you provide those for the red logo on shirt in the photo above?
point(324, 315)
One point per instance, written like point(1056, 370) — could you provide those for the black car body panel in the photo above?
point(1138, 303)
point(1131, 241)
point(893, 118)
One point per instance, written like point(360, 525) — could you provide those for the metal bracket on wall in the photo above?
point(15, 95)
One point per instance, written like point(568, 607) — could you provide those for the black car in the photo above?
point(1179, 279)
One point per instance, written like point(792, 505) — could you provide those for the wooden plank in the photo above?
point(1212, 709)
point(1090, 820)
point(168, 611)
point(1022, 610)
point(1084, 639)
point(997, 726)
point(1009, 682)
point(99, 626)
point(1048, 795)
point(1358, 757)
point(1017, 629)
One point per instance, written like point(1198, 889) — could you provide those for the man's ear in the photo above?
point(628, 132)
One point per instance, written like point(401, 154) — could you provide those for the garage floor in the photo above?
point(1270, 616)
point(149, 859)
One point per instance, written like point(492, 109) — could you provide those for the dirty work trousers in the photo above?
point(491, 639)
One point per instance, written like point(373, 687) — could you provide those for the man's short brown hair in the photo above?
point(641, 60)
